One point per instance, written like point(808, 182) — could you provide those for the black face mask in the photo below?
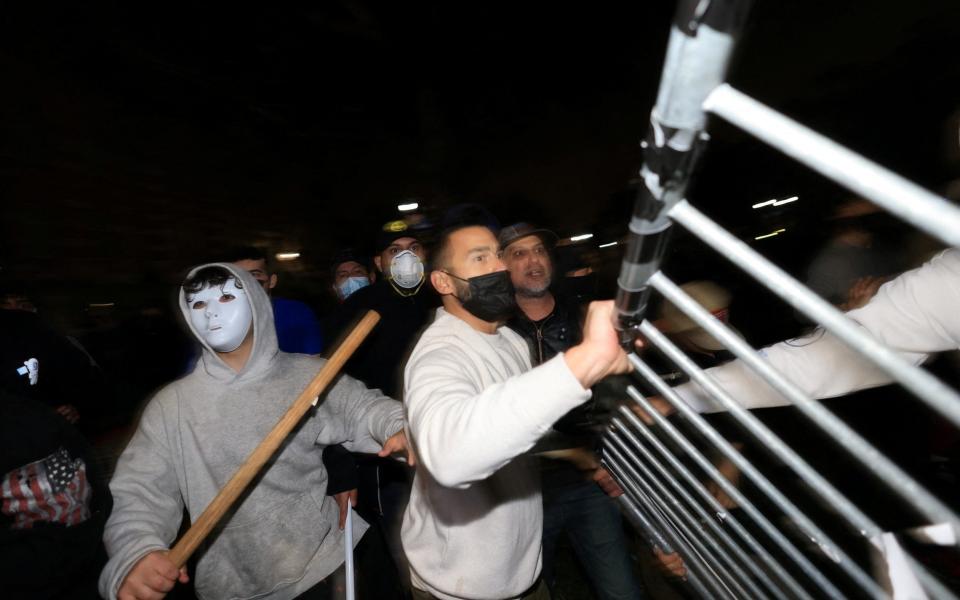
point(490, 297)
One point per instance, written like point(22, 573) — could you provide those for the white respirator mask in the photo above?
point(406, 270)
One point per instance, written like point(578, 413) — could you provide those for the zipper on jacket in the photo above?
point(539, 329)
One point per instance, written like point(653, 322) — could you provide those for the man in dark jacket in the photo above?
point(576, 502)
point(406, 302)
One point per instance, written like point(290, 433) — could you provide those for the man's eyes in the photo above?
point(199, 304)
point(227, 298)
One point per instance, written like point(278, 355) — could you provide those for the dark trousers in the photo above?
point(594, 527)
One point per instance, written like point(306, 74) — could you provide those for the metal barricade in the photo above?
point(661, 468)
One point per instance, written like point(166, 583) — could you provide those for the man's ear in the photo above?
point(272, 282)
point(376, 261)
point(441, 282)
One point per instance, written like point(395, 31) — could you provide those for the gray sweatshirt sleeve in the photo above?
point(359, 418)
point(463, 434)
point(147, 504)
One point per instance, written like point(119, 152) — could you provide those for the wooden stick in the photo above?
point(192, 539)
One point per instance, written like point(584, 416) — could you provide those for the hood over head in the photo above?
point(265, 346)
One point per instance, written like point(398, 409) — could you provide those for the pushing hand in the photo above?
point(397, 444)
point(599, 354)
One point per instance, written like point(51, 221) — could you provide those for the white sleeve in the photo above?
point(915, 315)
point(463, 434)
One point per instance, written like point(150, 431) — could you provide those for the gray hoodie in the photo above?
point(281, 537)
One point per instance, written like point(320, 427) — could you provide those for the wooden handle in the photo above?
point(202, 527)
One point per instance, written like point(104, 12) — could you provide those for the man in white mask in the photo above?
point(405, 300)
point(282, 540)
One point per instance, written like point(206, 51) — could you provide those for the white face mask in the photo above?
point(406, 270)
point(221, 315)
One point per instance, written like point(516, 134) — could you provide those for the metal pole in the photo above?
point(884, 469)
point(696, 561)
point(348, 554)
point(643, 524)
point(927, 579)
point(926, 387)
point(898, 195)
point(775, 444)
point(748, 507)
point(675, 510)
point(701, 41)
point(710, 520)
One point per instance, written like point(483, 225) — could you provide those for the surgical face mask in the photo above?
point(489, 297)
point(351, 285)
point(221, 315)
point(406, 270)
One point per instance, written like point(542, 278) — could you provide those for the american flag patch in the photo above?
point(52, 490)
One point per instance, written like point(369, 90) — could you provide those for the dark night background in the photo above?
point(137, 138)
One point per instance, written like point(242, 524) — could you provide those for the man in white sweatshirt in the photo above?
point(474, 406)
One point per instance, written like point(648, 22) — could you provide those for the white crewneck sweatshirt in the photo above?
point(473, 525)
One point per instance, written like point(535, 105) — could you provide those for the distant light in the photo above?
point(288, 255)
point(607, 245)
point(581, 237)
point(408, 207)
point(762, 237)
point(101, 304)
point(776, 202)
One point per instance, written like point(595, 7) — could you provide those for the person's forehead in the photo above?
point(404, 242)
point(250, 265)
point(526, 243)
point(350, 266)
point(469, 239)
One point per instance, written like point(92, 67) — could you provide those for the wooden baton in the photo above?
point(211, 515)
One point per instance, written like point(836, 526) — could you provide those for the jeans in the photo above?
point(594, 527)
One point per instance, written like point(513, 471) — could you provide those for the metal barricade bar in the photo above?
point(823, 541)
point(785, 545)
point(863, 524)
point(676, 542)
point(900, 196)
point(643, 524)
point(926, 387)
point(721, 512)
point(893, 476)
point(687, 523)
point(701, 42)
